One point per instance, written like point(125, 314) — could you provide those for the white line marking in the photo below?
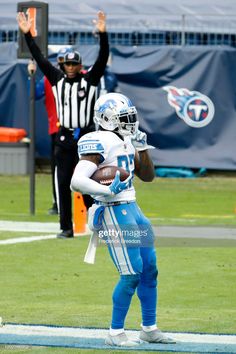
point(11, 241)
point(29, 226)
point(28, 330)
point(21, 226)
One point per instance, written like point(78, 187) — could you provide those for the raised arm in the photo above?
point(97, 70)
point(100, 22)
point(24, 22)
point(45, 66)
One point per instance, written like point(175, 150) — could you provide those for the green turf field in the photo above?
point(200, 201)
point(46, 282)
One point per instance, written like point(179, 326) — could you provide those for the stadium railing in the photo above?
point(164, 30)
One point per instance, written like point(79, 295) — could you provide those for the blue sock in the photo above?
point(122, 296)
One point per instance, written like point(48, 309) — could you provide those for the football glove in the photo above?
point(139, 141)
point(117, 186)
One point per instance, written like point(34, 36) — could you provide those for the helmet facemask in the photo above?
point(128, 124)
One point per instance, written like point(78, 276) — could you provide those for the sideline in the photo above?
point(73, 337)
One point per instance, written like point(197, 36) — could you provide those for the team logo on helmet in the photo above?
point(196, 109)
point(107, 104)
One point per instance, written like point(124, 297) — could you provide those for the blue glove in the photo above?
point(117, 186)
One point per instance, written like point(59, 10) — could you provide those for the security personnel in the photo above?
point(75, 94)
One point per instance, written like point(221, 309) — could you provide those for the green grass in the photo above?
point(15, 194)
point(47, 282)
point(200, 201)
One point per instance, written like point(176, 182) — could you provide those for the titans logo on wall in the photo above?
point(196, 109)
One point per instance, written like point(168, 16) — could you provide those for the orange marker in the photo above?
point(80, 213)
point(32, 12)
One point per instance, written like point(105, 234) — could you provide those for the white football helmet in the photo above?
point(115, 112)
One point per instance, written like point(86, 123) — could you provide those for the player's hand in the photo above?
point(139, 141)
point(117, 186)
point(23, 22)
point(100, 23)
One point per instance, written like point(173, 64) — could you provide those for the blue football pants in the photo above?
point(130, 241)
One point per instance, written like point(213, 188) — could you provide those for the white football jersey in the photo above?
point(114, 152)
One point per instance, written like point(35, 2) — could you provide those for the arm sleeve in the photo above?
point(53, 74)
point(97, 70)
point(90, 145)
point(81, 181)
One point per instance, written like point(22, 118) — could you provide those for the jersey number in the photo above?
point(126, 162)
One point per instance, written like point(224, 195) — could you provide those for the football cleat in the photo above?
point(120, 340)
point(155, 336)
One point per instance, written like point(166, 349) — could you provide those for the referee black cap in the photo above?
point(72, 57)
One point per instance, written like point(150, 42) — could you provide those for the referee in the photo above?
point(75, 93)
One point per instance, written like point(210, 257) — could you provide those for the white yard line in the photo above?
point(48, 331)
point(12, 241)
point(22, 226)
point(29, 226)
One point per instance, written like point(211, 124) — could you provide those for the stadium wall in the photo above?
point(185, 98)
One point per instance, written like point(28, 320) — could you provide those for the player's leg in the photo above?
point(129, 264)
point(147, 288)
point(122, 296)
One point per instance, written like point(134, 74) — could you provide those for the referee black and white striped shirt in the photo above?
point(75, 97)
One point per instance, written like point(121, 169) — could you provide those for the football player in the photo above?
point(115, 215)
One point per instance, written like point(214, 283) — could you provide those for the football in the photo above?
point(105, 175)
